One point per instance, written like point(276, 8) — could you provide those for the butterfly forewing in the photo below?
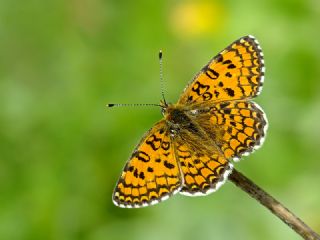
point(235, 73)
point(152, 173)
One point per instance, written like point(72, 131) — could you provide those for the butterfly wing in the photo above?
point(203, 166)
point(235, 73)
point(244, 124)
point(238, 127)
point(203, 174)
point(151, 174)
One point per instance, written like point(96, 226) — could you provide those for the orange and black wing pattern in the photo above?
point(203, 172)
point(244, 124)
point(235, 73)
point(238, 127)
point(152, 173)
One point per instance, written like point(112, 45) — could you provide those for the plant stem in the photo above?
point(273, 205)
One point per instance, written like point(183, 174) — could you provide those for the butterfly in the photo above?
point(213, 123)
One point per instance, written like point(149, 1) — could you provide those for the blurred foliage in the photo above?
point(61, 150)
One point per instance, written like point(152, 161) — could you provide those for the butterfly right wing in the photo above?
point(237, 127)
point(244, 125)
point(152, 173)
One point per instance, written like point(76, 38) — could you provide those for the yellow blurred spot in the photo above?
point(197, 18)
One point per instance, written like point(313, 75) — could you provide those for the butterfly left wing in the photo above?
point(151, 174)
point(235, 73)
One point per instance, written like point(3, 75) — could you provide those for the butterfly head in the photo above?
point(164, 106)
point(173, 113)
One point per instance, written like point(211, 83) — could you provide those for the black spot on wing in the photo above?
point(142, 156)
point(211, 73)
point(228, 74)
point(229, 91)
point(168, 165)
point(231, 66)
point(141, 175)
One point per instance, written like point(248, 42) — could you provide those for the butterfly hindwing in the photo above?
point(239, 127)
point(203, 166)
point(244, 124)
point(235, 73)
point(203, 173)
point(151, 174)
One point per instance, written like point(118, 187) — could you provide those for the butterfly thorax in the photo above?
point(182, 126)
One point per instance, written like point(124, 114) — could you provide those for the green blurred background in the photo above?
point(62, 150)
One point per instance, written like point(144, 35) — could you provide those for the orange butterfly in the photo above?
point(214, 121)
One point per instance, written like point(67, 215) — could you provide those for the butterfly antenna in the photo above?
point(132, 104)
point(161, 77)
point(145, 104)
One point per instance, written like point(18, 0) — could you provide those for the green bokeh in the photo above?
point(61, 150)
